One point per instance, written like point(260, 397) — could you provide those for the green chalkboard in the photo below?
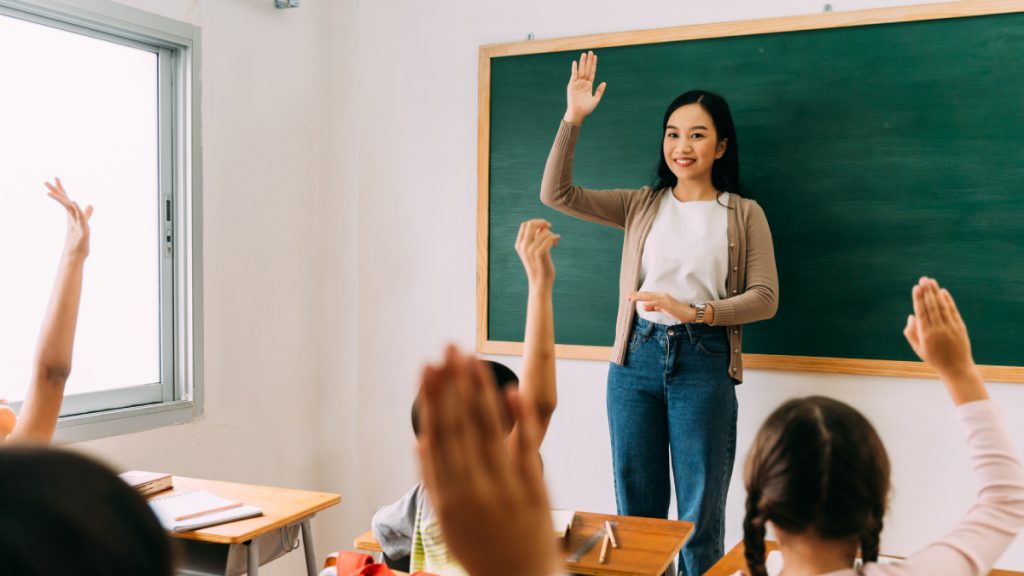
point(879, 153)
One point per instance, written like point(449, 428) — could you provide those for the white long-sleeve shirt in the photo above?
point(686, 253)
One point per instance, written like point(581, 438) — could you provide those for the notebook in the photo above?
point(194, 509)
point(148, 482)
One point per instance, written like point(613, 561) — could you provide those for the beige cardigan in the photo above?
point(752, 281)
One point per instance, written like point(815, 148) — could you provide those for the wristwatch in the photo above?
point(700, 308)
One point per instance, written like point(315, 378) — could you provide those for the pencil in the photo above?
point(611, 533)
point(604, 548)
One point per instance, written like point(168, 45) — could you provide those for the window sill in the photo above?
point(83, 427)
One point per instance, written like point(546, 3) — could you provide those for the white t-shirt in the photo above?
point(686, 253)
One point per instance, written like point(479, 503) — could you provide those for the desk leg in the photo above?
point(307, 546)
point(254, 556)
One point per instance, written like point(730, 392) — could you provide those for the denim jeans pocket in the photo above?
point(715, 345)
point(635, 340)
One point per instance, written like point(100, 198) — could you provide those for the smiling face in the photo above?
point(691, 143)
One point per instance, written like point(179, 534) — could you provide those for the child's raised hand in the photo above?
point(493, 509)
point(76, 240)
point(533, 244)
point(938, 336)
point(581, 98)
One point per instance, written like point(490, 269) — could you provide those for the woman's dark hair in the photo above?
point(725, 172)
point(817, 465)
point(67, 514)
point(503, 376)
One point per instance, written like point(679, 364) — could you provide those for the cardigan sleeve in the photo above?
point(760, 299)
point(608, 207)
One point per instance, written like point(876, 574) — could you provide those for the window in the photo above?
point(103, 100)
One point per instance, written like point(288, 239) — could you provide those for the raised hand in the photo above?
point(55, 348)
point(76, 240)
point(533, 244)
point(581, 98)
point(493, 509)
point(938, 336)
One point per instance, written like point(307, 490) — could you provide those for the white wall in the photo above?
point(415, 92)
point(261, 71)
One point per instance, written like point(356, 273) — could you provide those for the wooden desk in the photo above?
point(734, 561)
point(647, 546)
point(208, 548)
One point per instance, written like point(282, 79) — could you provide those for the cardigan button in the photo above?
point(733, 291)
point(732, 244)
point(735, 330)
point(735, 268)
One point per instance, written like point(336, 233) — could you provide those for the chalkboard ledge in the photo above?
point(890, 368)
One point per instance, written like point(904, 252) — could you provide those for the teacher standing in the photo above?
point(697, 264)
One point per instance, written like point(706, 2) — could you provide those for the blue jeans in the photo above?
point(674, 397)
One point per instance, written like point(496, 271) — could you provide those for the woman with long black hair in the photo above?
point(697, 264)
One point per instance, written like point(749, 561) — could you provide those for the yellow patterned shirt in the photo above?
point(429, 551)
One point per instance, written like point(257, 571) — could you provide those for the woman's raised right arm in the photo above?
point(608, 207)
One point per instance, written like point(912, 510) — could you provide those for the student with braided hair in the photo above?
point(818, 471)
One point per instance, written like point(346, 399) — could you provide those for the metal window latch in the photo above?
point(286, 3)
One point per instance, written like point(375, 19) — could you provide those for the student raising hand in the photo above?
point(493, 509)
point(76, 239)
point(533, 244)
point(52, 366)
point(938, 336)
point(538, 386)
point(581, 98)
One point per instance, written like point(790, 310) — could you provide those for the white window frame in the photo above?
point(178, 397)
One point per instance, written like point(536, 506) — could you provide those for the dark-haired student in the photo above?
point(817, 472)
point(408, 528)
point(697, 264)
point(41, 408)
point(67, 514)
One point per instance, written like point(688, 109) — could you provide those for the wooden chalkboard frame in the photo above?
point(702, 31)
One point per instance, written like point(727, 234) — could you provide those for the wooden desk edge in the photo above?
point(367, 541)
point(327, 500)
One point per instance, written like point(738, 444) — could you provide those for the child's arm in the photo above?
point(537, 384)
point(493, 509)
point(41, 408)
point(938, 335)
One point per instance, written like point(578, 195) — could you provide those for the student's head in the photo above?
point(66, 514)
point(816, 468)
point(699, 141)
point(504, 377)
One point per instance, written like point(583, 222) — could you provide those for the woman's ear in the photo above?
point(722, 145)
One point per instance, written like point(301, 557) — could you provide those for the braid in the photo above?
point(753, 537)
point(869, 541)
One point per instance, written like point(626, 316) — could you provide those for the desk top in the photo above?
point(646, 545)
point(734, 561)
point(281, 507)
